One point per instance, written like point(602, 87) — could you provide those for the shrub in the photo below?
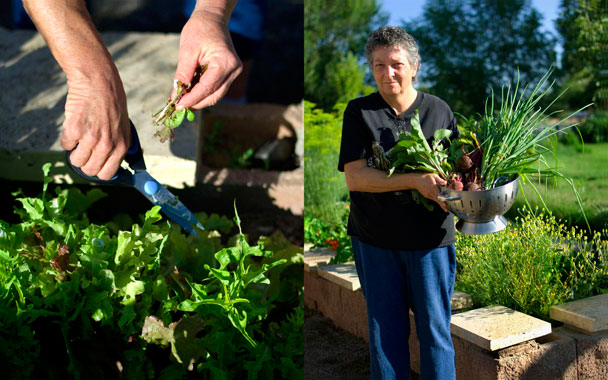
point(324, 185)
point(593, 130)
point(532, 265)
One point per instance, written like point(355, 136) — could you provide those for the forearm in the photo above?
point(369, 180)
point(221, 8)
point(72, 38)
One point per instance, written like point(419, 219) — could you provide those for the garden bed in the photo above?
point(114, 294)
point(530, 349)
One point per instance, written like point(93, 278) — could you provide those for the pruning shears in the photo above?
point(139, 178)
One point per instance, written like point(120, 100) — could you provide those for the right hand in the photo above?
point(205, 40)
point(428, 185)
point(97, 124)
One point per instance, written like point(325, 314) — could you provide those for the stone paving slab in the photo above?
point(33, 109)
point(317, 257)
point(344, 275)
point(589, 315)
point(496, 327)
point(461, 300)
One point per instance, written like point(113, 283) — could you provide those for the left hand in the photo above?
point(428, 185)
point(205, 40)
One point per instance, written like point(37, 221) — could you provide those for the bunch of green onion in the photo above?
point(516, 137)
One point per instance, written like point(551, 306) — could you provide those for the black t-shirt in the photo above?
point(392, 220)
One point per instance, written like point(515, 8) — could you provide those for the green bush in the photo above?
point(592, 130)
point(324, 185)
point(533, 264)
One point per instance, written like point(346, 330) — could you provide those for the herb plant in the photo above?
point(535, 263)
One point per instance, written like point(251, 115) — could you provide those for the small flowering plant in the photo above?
point(532, 265)
point(335, 238)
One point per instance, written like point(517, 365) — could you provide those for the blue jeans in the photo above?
point(392, 283)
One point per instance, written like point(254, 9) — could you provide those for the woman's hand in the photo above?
point(428, 185)
point(96, 121)
point(97, 124)
point(205, 40)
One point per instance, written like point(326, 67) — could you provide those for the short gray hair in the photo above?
point(388, 36)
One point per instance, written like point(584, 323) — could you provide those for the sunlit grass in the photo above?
point(589, 170)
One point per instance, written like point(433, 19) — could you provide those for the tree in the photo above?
point(583, 26)
point(335, 33)
point(469, 47)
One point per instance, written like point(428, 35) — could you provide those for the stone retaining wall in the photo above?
point(492, 343)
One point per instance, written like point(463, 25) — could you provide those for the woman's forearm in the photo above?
point(360, 177)
point(68, 30)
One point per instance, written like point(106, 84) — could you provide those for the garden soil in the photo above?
point(331, 353)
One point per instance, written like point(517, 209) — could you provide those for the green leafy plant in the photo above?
point(77, 293)
point(533, 264)
point(413, 153)
point(169, 116)
point(513, 137)
point(334, 237)
point(324, 185)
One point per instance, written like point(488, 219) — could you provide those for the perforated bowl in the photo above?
point(480, 212)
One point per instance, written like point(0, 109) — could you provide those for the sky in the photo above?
point(410, 9)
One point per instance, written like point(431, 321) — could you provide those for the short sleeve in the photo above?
point(454, 128)
point(354, 137)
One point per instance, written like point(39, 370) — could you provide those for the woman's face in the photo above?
point(392, 70)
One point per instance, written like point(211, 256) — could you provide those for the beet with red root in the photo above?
point(464, 164)
point(456, 185)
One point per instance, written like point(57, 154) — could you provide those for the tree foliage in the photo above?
point(583, 27)
point(335, 33)
point(469, 47)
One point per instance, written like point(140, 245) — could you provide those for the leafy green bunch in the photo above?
point(514, 135)
point(211, 301)
point(413, 153)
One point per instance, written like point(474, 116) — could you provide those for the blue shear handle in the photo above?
point(134, 158)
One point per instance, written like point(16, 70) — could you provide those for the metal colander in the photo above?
point(480, 212)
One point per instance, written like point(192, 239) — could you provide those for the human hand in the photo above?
point(97, 124)
point(205, 40)
point(428, 185)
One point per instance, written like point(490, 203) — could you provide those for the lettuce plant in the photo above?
point(79, 293)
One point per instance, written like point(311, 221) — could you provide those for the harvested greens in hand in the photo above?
point(510, 140)
point(413, 153)
point(171, 118)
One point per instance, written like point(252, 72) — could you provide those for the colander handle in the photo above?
point(444, 198)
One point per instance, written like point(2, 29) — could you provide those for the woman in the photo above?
point(404, 253)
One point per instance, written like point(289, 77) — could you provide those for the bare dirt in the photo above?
point(331, 353)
